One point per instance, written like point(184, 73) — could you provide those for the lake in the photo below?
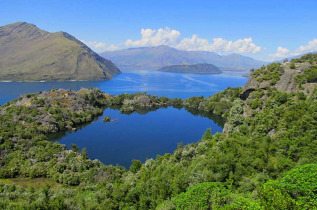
point(172, 85)
point(138, 136)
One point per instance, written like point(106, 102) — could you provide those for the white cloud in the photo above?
point(219, 45)
point(245, 46)
point(310, 47)
point(100, 46)
point(282, 52)
point(167, 36)
point(194, 44)
point(151, 37)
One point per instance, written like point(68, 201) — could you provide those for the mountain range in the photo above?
point(153, 58)
point(28, 53)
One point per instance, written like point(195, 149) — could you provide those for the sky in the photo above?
point(266, 30)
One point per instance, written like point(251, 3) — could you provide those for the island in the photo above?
point(201, 68)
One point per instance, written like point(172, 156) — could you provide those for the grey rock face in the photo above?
point(286, 83)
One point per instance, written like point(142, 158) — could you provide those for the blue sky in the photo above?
point(276, 28)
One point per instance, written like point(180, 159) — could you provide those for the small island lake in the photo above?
point(138, 136)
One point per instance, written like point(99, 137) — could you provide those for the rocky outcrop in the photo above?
point(286, 82)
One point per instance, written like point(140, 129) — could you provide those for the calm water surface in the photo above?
point(138, 136)
point(173, 85)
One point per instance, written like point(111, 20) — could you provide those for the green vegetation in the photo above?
point(264, 159)
point(292, 65)
point(295, 190)
point(309, 76)
point(140, 102)
point(106, 119)
point(219, 104)
point(311, 58)
point(29, 182)
point(271, 73)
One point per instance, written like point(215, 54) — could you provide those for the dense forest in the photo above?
point(265, 158)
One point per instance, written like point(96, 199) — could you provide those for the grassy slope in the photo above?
point(28, 53)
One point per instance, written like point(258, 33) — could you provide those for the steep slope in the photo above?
point(298, 75)
point(202, 68)
point(28, 53)
point(152, 58)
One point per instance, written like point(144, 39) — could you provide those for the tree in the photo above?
point(136, 165)
point(207, 135)
point(296, 190)
point(74, 147)
point(208, 195)
point(292, 66)
point(84, 153)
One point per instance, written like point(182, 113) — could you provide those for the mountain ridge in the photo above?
point(29, 53)
point(153, 58)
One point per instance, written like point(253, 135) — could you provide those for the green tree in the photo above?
point(207, 135)
point(84, 153)
point(136, 165)
point(292, 65)
point(208, 195)
point(297, 189)
point(74, 147)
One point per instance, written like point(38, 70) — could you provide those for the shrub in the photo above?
point(292, 65)
point(208, 195)
point(297, 189)
point(136, 165)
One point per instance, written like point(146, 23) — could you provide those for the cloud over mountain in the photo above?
point(151, 38)
point(172, 38)
point(169, 37)
point(282, 52)
point(100, 46)
point(219, 45)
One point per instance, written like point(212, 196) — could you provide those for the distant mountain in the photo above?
point(202, 68)
point(28, 53)
point(153, 58)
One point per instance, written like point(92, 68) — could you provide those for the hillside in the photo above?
point(202, 68)
point(294, 57)
point(153, 58)
point(31, 54)
point(264, 159)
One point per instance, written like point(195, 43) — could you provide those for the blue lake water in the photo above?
point(173, 85)
point(138, 136)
